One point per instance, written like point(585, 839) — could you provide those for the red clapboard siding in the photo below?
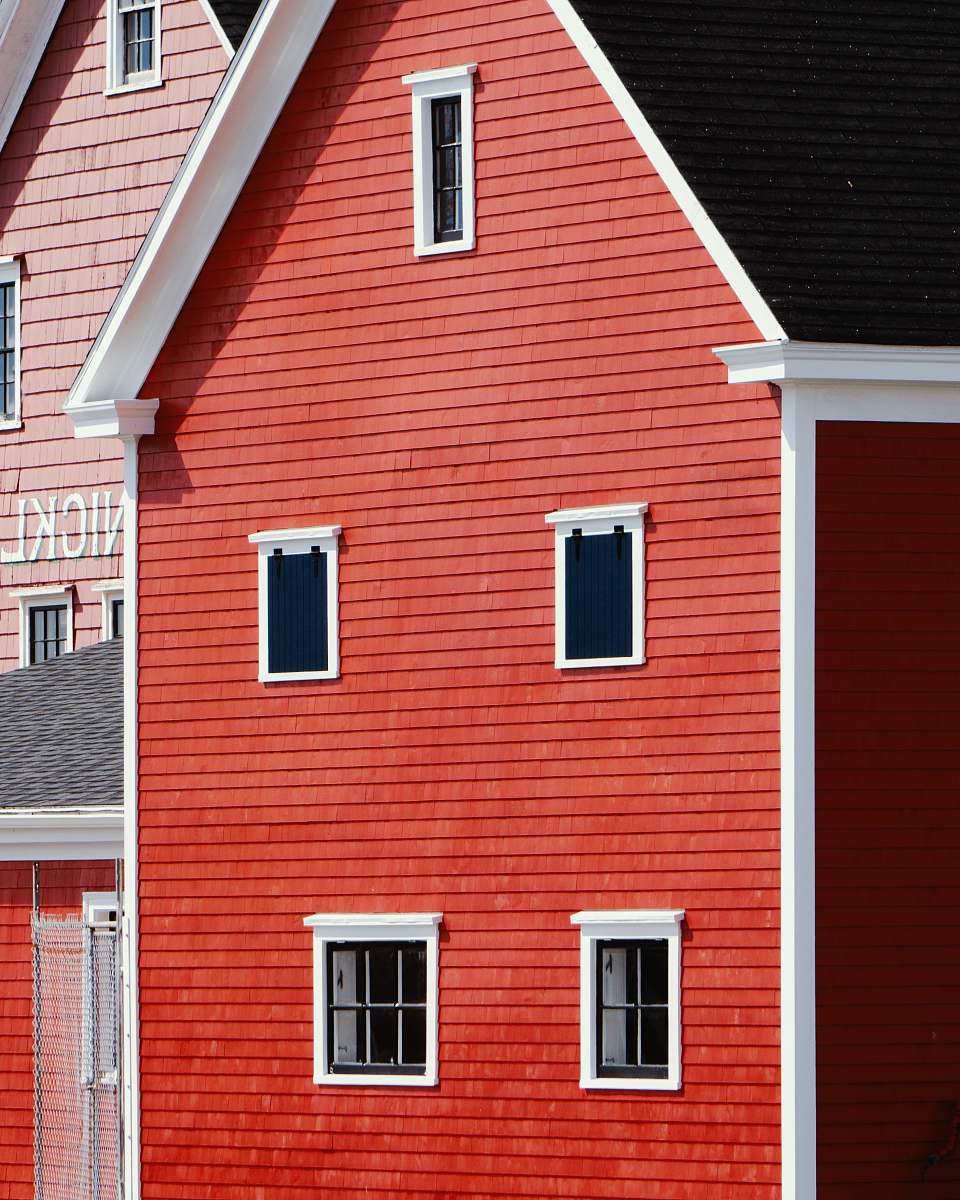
point(438, 410)
point(61, 888)
point(81, 178)
point(888, 824)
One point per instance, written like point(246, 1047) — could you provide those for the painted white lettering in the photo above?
point(20, 555)
point(74, 500)
point(110, 531)
point(46, 528)
point(94, 524)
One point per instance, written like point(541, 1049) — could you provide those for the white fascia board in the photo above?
point(715, 245)
point(45, 835)
point(248, 102)
point(217, 27)
point(839, 362)
point(25, 29)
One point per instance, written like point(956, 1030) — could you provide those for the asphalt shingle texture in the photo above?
point(63, 731)
point(235, 17)
point(823, 138)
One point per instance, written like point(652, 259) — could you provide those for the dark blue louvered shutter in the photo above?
point(599, 595)
point(297, 612)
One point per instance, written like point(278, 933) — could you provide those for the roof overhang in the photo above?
point(839, 362)
point(60, 834)
point(25, 29)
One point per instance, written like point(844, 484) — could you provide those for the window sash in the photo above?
point(635, 1008)
point(8, 351)
point(447, 142)
point(48, 632)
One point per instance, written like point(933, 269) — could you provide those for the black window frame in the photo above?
point(363, 1006)
point(630, 1070)
point(116, 627)
point(438, 147)
point(9, 350)
point(61, 642)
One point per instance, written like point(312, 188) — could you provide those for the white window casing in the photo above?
point(630, 926)
point(119, 79)
point(10, 274)
point(365, 928)
point(109, 591)
point(427, 86)
point(43, 597)
point(299, 541)
point(591, 521)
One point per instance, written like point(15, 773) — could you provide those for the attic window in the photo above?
point(10, 344)
point(443, 182)
point(133, 44)
point(46, 623)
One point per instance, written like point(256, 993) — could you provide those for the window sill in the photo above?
point(297, 676)
point(565, 664)
point(631, 1085)
point(124, 88)
point(339, 1080)
point(8, 426)
point(460, 247)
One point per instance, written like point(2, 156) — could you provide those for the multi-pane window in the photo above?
point(447, 170)
point(630, 999)
point(632, 1008)
point(134, 43)
point(443, 174)
point(298, 603)
point(599, 585)
point(377, 1007)
point(48, 631)
point(8, 348)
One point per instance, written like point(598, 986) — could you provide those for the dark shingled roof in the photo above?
point(823, 138)
point(63, 731)
point(235, 17)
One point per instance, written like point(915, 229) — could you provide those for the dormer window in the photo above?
point(133, 44)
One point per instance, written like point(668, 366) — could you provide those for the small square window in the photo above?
point(10, 413)
point(133, 44)
point(443, 174)
point(375, 998)
point(630, 999)
point(46, 623)
point(298, 571)
point(599, 576)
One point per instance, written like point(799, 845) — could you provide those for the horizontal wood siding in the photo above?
point(438, 409)
point(81, 178)
point(888, 822)
point(61, 889)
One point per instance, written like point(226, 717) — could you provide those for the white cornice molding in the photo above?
point(114, 418)
point(44, 835)
point(243, 112)
point(839, 362)
point(25, 29)
point(714, 243)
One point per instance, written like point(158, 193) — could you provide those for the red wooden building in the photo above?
point(540, 426)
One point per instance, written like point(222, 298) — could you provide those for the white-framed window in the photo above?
point(111, 608)
point(10, 403)
point(599, 578)
point(375, 997)
point(444, 201)
point(630, 999)
point(298, 605)
point(46, 623)
point(133, 45)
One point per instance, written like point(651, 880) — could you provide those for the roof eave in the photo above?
point(61, 834)
point(784, 361)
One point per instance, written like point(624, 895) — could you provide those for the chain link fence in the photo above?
point(76, 1059)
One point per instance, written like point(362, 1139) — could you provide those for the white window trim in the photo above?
point(299, 541)
point(39, 597)
point(427, 86)
point(109, 590)
point(599, 520)
point(10, 273)
point(633, 925)
point(374, 927)
point(116, 85)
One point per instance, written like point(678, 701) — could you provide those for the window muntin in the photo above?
point(298, 615)
point(48, 631)
point(630, 999)
point(375, 998)
point(599, 585)
point(133, 35)
point(377, 1007)
point(443, 167)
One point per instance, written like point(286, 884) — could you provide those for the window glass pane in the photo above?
point(116, 619)
point(383, 968)
point(414, 976)
point(653, 1037)
point(653, 971)
point(345, 1046)
point(614, 976)
point(414, 1021)
point(599, 595)
point(344, 976)
point(383, 1035)
point(614, 1050)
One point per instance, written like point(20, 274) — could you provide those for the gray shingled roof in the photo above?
point(63, 731)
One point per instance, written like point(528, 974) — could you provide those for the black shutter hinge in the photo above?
point(278, 559)
point(577, 543)
point(315, 552)
point(618, 530)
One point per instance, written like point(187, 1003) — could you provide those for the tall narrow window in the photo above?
point(133, 44)
point(10, 345)
point(443, 177)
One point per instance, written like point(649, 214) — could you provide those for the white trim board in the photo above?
point(25, 29)
point(217, 27)
point(819, 382)
point(54, 834)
